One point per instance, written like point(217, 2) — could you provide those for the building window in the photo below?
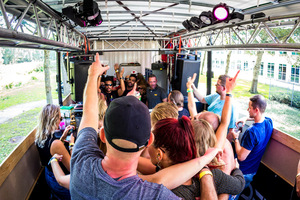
point(282, 72)
point(295, 53)
point(239, 64)
point(246, 66)
point(271, 70)
point(261, 71)
point(217, 64)
point(232, 66)
point(295, 74)
point(282, 52)
point(222, 63)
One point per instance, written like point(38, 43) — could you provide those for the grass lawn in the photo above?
point(33, 91)
point(18, 126)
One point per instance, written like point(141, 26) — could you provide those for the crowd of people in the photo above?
point(123, 152)
point(149, 92)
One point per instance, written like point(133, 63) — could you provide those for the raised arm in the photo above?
point(90, 100)
point(197, 94)
point(122, 89)
point(184, 171)
point(191, 102)
point(221, 133)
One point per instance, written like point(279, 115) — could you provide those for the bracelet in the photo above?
point(189, 90)
point(53, 159)
point(122, 78)
point(235, 139)
point(62, 140)
point(229, 94)
point(71, 148)
point(297, 175)
point(117, 71)
point(205, 173)
point(71, 144)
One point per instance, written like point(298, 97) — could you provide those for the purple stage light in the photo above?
point(221, 12)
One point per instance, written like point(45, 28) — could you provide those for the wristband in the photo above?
point(71, 144)
point(122, 78)
point(53, 159)
point(229, 94)
point(117, 71)
point(205, 173)
point(235, 139)
point(189, 90)
point(297, 175)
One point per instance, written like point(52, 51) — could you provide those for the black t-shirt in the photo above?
point(109, 97)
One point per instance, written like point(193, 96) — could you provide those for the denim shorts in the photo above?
point(58, 191)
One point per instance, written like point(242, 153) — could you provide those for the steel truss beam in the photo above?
point(250, 34)
point(38, 26)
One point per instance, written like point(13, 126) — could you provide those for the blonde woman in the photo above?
point(48, 145)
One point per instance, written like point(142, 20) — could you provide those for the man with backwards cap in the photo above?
point(114, 176)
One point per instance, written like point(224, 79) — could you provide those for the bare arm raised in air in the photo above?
point(191, 102)
point(221, 132)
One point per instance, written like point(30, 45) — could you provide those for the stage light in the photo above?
point(196, 23)
point(221, 12)
point(84, 13)
point(206, 17)
point(187, 25)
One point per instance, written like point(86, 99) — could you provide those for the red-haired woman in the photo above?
point(174, 143)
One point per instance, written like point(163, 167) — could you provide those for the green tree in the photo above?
point(47, 76)
point(256, 72)
point(8, 55)
point(228, 62)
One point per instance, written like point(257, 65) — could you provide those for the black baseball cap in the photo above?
point(127, 118)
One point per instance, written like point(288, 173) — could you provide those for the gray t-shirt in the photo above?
point(90, 181)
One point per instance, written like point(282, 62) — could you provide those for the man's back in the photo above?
point(90, 181)
point(255, 139)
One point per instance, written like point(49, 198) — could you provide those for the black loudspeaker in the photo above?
point(79, 72)
point(184, 69)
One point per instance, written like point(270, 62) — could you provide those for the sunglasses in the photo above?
point(126, 79)
point(108, 84)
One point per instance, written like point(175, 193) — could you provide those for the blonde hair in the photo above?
point(47, 124)
point(162, 111)
point(204, 136)
point(102, 109)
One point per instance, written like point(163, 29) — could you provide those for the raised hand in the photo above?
point(190, 81)
point(231, 82)
point(116, 66)
point(133, 91)
point(96, 68)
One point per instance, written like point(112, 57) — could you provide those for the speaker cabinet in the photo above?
point(184, 69)
point(79, 74)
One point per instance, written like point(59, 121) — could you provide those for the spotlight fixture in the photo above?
point(206, 18)
point(84, 13)
point(196, 22)
point(188, 26)
point(221, 12)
